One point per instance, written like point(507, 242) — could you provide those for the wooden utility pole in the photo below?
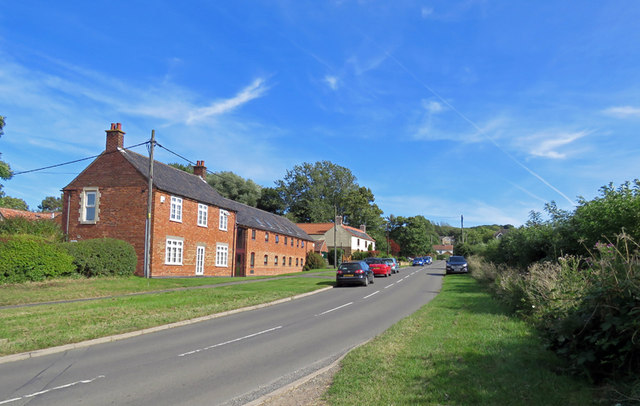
point(147, 231)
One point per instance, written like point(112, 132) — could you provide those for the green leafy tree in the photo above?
point(50, 203)
point(270, 200)
point(13, 203)
point(5, 169)
point(310, 191)
point(235, 187)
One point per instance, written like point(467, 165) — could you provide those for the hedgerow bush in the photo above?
point(588, 310)
point(32, 258)
point(359, 255)
point(103, 257)
point(314, 261)
point(45, 228)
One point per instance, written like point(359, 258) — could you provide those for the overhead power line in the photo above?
point(72, 162)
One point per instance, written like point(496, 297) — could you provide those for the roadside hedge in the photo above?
point(314, 261)
point(32, 258)
point(46, 228)
point(103, 257)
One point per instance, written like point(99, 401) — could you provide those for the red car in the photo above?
point(378, 266)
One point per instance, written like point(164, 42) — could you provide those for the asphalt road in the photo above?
point(226, 361)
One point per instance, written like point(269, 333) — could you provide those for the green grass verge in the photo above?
point(31, 328)
point(83, 288)
point(462, 348)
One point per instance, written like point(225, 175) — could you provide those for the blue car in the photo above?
point(418, 261)
point(428, 260)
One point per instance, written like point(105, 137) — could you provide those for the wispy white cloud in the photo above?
point(426, 12)
point(255, 90)
point(332, 81)
point(622, 111)
point(549, 144)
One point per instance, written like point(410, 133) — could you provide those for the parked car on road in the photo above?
point(457, 264)
point(428, 260)
point(354, 273)
point(393, 263)
point(378, 266)
point(418, 261)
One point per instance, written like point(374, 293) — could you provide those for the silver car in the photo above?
point(393, 264)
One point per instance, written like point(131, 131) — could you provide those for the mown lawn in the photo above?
point(462, 348)
point(30, 328)
point(83, 288)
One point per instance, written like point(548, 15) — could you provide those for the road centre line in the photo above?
point(334, 309)
point(230, 341)
point(388, 286)
point(368, 296)
point(31, 395)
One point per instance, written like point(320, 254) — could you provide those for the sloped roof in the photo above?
point(176, 181)
point(253, 217)
point(321, 246)
point(443, 247)
point(315, 228)
point(8, 213)
point(358, 233)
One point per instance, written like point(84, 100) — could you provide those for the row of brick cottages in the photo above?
point(194, 230)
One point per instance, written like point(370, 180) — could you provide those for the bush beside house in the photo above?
point(32, 258)
point(103, 257)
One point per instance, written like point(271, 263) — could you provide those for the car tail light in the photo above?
point(359, 271)
point(339, 272)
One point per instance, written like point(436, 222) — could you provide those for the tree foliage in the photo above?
point(271, 200)
point(50, 203)
point(235, 187)
point(310, 191)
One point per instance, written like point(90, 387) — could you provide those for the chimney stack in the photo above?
point(115, 137)
point(200, 169)
point(363, 228)
point(338, 220)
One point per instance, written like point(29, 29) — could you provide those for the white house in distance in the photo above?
point(347, 238)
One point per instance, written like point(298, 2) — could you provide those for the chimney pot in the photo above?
point(200, 169)
point(115, 137)
point(339, 220)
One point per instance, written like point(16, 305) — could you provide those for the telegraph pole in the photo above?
point(147, 231)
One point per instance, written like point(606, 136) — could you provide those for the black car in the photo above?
point(354, 273)
point(457, 264)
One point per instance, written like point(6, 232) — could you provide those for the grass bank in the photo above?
point(30, 328)
point(463, 348)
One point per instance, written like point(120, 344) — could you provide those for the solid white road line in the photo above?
point(31, 395)
point(230, 341)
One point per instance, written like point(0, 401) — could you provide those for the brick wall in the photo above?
point(260, 248)
point(193, 236)
point(121, 208)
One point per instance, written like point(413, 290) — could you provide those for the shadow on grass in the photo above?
point(515, 373)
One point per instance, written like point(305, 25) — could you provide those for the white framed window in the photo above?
point(173, 255)
point(224, 219)
point(203, 213)
point(302, 244)
point(176, 209)
point(266, 237)
point(89, 203)
point(222, 254)
point(275, 260)
point(277, 238)
point(266, 259)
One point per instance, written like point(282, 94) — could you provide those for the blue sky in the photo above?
point(486, 109)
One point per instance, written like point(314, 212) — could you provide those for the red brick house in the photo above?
point(268, 244)
point(194, 230)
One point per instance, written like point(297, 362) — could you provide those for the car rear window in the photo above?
point(350, 267)
point(456, 259)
